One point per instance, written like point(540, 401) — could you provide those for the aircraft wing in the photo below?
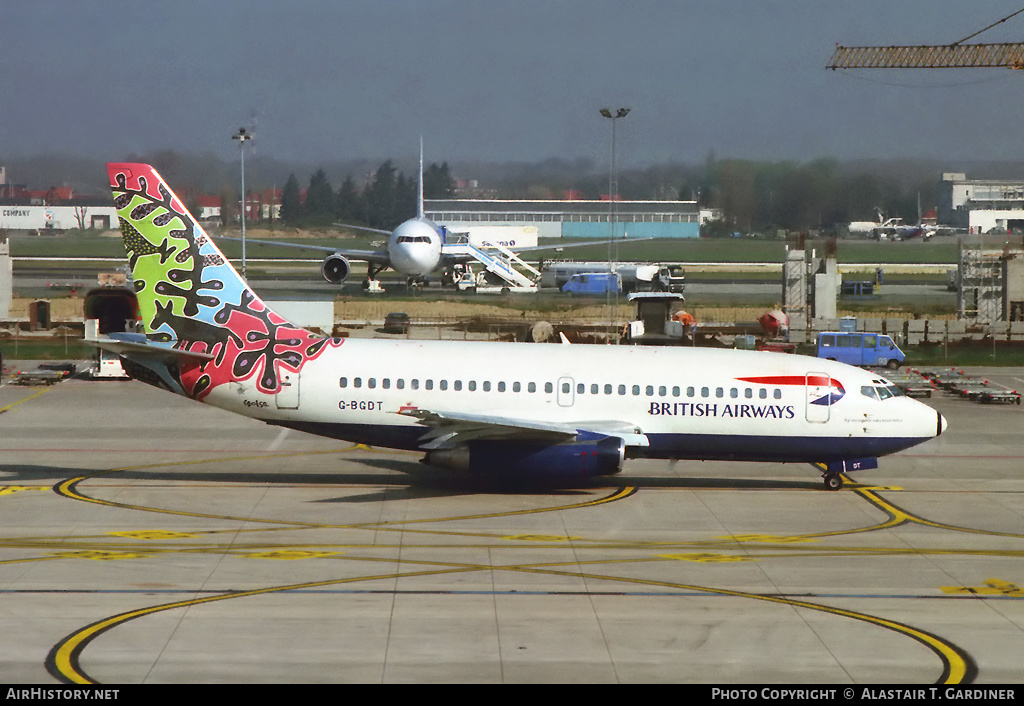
point(377, 257)
point(449, 429)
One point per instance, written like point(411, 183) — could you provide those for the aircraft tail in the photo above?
point(420, 210)
point(197, 312)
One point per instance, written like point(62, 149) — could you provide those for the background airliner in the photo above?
point(492, 410)
point(415, 249)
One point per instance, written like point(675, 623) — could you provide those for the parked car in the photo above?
point(396, 322)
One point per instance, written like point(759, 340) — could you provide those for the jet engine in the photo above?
point(335, 268)
point(601, 456)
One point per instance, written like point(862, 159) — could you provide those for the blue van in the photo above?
point(860, 349)
point(593, 283)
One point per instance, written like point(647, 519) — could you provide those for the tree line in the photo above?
point(388, 198)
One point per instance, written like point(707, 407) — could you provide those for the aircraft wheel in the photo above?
point(833, 481)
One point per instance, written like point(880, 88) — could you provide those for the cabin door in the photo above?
point(818, 396)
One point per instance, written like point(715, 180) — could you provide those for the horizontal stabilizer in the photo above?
point(137, 345)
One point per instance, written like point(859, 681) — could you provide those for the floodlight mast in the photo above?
point(242, 136)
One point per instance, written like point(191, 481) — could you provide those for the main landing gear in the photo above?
point(833, 481)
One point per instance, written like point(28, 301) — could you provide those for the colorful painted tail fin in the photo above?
point(192, 299)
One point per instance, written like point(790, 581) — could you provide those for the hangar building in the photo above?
point(572, 219)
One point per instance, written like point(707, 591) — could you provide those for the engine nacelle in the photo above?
point(509, 460)
point(335, 268)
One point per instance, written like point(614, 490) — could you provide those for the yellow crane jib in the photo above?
point(952, 56)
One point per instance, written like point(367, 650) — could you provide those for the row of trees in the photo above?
point(388, 198)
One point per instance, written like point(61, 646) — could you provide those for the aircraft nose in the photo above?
point(940, 424)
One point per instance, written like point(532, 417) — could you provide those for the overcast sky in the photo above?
point(509, 80)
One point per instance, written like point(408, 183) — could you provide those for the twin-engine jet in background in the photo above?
point(491, 410)
point(415, 249)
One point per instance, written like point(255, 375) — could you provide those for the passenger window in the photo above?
point(607, 389)
point(748, 393)
point(676, 391)
point(705, 392)
point(472, 385)
point(414, 383)
point(690, 392)
point(549, 388)
point(778, 394)
point(719, 392)
point(400, 384)
point(566, 388)
point(595, 389)
point(662, 391)
point(650, 390)
point(762, 393)
point(501, 387)
point(622, 389)
point(636, 390)
point(371, 383)
point(580, 388)
point(357, 382)
point(457, 385)
point(429, 384)
point(487, 385)
point(443, 385)
point(343, 382)
point(734, 393)
point(386, 383)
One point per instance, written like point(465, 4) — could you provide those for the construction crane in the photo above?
point(955, 56)
point(950, 56)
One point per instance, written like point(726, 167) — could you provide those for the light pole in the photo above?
point(242, 136)
point(613, 195)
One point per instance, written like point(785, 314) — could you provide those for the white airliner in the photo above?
point(493, 410)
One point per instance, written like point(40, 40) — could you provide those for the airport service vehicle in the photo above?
point(864, 349)
point(491, 410)
point(593, 283)
point(396, 322)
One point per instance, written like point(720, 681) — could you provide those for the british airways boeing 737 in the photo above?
point(493, 410)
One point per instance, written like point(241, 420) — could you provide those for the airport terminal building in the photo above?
point(981, 205)
point(572, 219)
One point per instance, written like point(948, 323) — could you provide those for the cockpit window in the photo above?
point(881, 390)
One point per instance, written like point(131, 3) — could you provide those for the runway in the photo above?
point(148, 539)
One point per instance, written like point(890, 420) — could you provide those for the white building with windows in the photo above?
point(981, 205)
